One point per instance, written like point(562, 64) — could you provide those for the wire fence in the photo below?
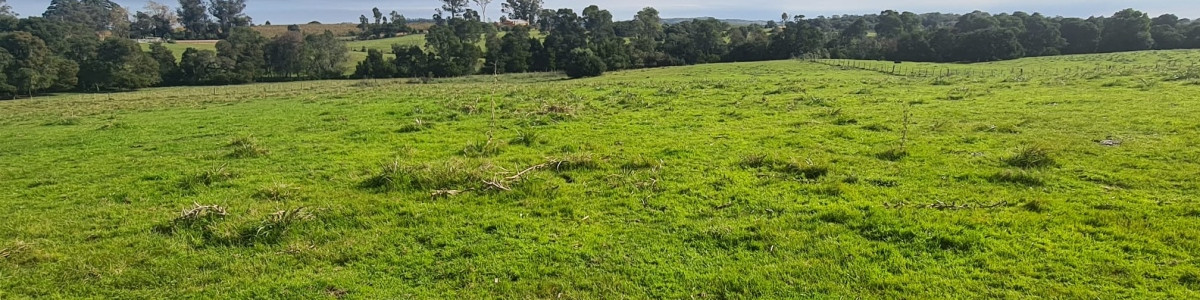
point(1169, 69)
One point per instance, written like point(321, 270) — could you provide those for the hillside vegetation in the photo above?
point(1072, 178)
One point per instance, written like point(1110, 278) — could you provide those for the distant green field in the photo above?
point(386, 44)
point(1068, 177)
point(180, 47)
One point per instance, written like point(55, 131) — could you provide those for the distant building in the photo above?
point(514, 23)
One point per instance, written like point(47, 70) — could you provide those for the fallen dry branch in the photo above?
point(501, 185)
point(939, 205)
point(495, 185)
point(199, 210)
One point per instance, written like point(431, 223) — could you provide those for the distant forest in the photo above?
point(89, 46)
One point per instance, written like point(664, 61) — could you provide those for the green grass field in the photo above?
point(385, 45)
point(785, 179)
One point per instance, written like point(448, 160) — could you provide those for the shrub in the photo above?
point(1031, 157)
point(584, 63)
point(245, 147)
point(527, 138)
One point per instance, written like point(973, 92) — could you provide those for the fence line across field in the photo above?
point(909, 70)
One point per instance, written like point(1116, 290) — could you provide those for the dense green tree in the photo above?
point(566, 34)
point(798, 38)
point(747, 43)
point(453, 46)
point(541, 60)
point(494, 55)
point(1167, 37)
point(989, 45)
point(976, 20)
point(324, 56)
point(696, 42)
point(97, 15)
point(193, 16)
point(515, 52)
point(581, 62)
point(856, 30)
point(913, 47)
point(1127, 30)
point(648, 35)
point(200, 67)
point(142, 26)
point(912, 22)
point(375, 66)
point(603, 39)
point(228, 14)
point(285, 54)
point(1192, 36)
point(61, 37)
point(119, 64)
point(526, 10)
point(1165, 19)
point(889, 24)
point(410, 61)
point(168, 68)
point(1042, 36)
point(245, 47)
point(31, 67)
point(1081, 36)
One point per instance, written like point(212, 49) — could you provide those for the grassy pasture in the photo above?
point(785, 179)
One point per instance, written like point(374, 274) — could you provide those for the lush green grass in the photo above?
point(777, 179)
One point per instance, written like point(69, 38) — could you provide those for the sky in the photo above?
point(337, 11)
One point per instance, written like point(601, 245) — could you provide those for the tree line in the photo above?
point(63, 51)
point(86, 45)
point(590, 43)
